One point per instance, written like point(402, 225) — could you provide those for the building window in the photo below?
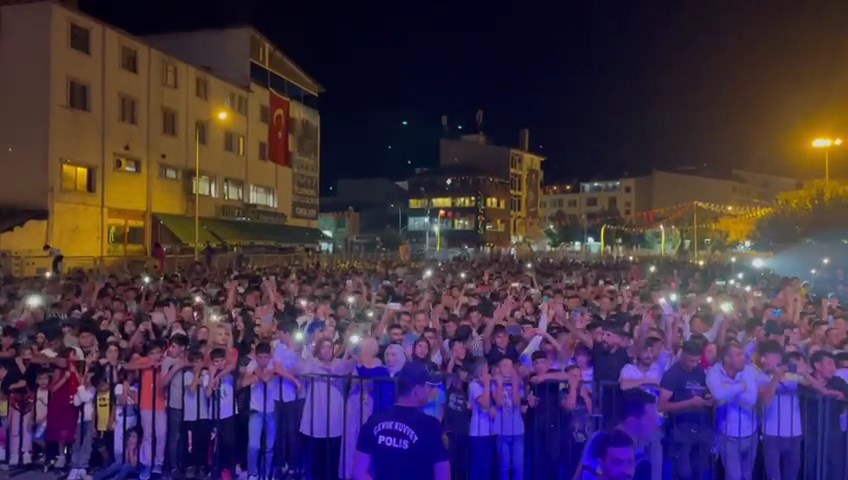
point(417, 203)
point(236, 102)
point(417, 224)
point(208, 187)
point(627, 189)
point(127, 165)
point(78, 95)
point(515, 182)
point(128, 113)
point(441, 202)
point(495, 202)
point(169, 173)
point(592, 202)
point(515, 205)
point(463, 223)
point(628, 204)
point(572, 203)
point(264, 114)
point(201, 88)
point(263, 151)
point(233, 189)
point(129, 59)
point(464, 202)
point(234, 143)
point(627, 211)
point(202, 131)
point(169, 122)
point(241, 107)
point(515, 161)
point(77, 179)
point(263, 196)
point(80, 38)
point(612, 202)
point(169, 74)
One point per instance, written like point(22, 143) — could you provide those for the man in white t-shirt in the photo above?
point(261, 377)
point(221, 394)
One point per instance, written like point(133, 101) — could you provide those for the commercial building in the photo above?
point(100, 132)
point(459, 208)
point(624, 197)
point(518, 166)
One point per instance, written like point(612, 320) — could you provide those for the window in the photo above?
point(464, 202)
point(80, 38)
point(543, 204)
point(417, 224)
point(78, 98)
point(77, 179)
point(441, 202)
point(234, 143)
point(463, 223)
point(572, 203)
point(263, 196)
point(202, 131)
point(241, 107)
point(169, 74)
point(236, 102)
point(233, 189)
point(208, 187)
point(515, 161)
point(627, 189)
point(263, 151)
point(612, 202)
point(627, 211)
point(201, 88)
point(264, 114)
point(169, 173)
point(494, 202)
point(169, 122)
point(592, 202)
point(515, 205)
point(417, 203)
point(129, 59)
point(515, 182)
point(628, 204)
point(127, 165)
point(127, 113)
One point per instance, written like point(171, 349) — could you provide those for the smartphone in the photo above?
point(777, 313)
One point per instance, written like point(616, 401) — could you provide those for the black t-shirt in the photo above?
point(684, 385)
point(403, 443)
point(821, 412)
point(457, 414)
point(608, 364)
point(495, 355)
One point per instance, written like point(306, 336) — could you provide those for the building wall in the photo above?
point(46, 136)
point(224, 52)
point(24, 96)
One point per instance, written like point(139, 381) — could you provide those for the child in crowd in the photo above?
point(152, 407)
point(125, 412)
point(42, 397)
point(104, 418)
point(482, 439)
point(84, 402)
point(260, 376)
point(126, 468)
point(196, 415)
point(221, 393)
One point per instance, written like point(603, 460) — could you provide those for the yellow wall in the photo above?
point(28, 238)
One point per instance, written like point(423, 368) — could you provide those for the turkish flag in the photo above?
point(278, 130)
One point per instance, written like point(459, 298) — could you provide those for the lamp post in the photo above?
point(826, 144)
point(220, 116)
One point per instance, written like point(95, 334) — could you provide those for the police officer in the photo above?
point(403, 442)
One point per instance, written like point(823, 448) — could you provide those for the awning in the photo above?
point(183, 228)
point(236, 232)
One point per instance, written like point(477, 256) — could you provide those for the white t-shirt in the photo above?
point(85, 397)
point(508, 419)
point(260, 392)
point(654, 375)
point(130, 406)
point(481, 421)
point(192, 401)
point(41, 399)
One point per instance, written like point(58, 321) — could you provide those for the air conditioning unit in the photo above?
point(120, 163)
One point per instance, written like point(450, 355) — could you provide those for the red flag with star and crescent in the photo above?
point(278, 130)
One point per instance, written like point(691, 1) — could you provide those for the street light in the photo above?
point(221, 116)
point(826, 144)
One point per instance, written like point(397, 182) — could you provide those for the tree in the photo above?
point(815, 212)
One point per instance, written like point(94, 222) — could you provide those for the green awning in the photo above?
point(236, 232)
point(183, 228)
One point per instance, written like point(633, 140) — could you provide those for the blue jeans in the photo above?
point(511, 456)
point(262, 430)
point(118, 470)
point(482, 453)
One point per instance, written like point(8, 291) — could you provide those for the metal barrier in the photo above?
point(310, 432)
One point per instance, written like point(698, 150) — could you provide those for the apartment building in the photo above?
point(623, 197)
point(101, 133)
point(521, 168)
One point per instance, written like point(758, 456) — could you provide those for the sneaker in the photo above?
point(27, 458)
point(145, 473)
point(60, 462)
point(157, 469)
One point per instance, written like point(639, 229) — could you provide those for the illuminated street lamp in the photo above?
point(221, 116)
point(826, 144)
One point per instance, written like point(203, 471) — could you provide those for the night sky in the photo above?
point(605, 87)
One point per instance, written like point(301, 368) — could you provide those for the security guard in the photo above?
point(403, 442)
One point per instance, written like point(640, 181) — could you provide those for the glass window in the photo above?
point(169, 74)
point(169, 173)
point(572, 203)
point(417, 203)
point(264, 114)
point(233, 189)
point(417, 224)
point(80, 38)
point(592, 202)
point(201, 88)
point(169, 122)
point(463, 223)
point(129, 59)
point(612, 202)
point(241, 106)
point(208, 186)
point(627, 189)
point(234, 143)
point(127, 113)
point(263, 196)
point(77, 178)
point(78, 95)
point(516, 204)
point(202, 131)
point(263, 151)
point(441, 202)
point(464, 202)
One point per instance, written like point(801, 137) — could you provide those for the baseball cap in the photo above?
point(413, 374)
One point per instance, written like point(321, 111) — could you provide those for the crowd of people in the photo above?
point(539, 369)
